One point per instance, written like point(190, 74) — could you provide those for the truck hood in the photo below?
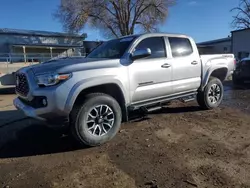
point(73, 64)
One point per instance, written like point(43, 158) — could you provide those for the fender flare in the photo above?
point(209, 72)
point(88, 83)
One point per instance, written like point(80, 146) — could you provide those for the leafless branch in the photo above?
point(113, 17)
point(242, 18)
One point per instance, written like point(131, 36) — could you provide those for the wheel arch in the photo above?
point(219, 72)
point(112, 88)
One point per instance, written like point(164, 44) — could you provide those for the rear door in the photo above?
point(186, 65)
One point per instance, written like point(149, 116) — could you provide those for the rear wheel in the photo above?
point(212, 94)
point(97, 120)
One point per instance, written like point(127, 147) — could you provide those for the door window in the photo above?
point(180, 46)
point(155, 44)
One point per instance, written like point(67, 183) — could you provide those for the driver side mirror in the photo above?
point(140, 53)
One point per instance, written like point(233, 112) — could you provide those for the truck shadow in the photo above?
point(8, 117)
point(36, 139)
point(177, 110)
point(26, 137)
point(140, 116)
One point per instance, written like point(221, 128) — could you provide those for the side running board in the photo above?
point(157, 103)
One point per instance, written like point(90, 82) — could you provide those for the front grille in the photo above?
point(22, 86)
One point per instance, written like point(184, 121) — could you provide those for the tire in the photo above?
point(203, 98)
point(82, 119)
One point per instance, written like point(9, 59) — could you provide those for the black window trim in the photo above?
point(171, 48)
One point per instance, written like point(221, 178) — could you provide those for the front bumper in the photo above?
point(31, 102)
point(49, 113)
point(27, 110)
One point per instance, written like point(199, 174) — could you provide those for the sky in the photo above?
point(201, 19)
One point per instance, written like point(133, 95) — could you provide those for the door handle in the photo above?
point(166, 65)
point(194, 63)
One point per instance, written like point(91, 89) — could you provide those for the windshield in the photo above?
point(113, 49)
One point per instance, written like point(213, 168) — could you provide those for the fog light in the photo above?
point(44, 101)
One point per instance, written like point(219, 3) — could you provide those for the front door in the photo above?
point(150, 78)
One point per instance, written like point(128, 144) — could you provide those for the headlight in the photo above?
point(51, 79)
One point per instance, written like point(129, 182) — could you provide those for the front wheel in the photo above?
point(96, 120)
point(212, 94)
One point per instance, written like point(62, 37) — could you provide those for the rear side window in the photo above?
point(155, 44)
point(180, 46)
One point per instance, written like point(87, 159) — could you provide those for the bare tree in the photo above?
point(113, 17)
point(242, 19)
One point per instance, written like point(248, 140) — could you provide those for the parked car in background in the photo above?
point(242, 72)
point(138, 72)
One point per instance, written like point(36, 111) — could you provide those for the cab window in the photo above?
point(180, 46)
point(155, 44)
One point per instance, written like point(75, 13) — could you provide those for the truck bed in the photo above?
point(225, 60)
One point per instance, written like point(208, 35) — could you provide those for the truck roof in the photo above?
point(158, 34)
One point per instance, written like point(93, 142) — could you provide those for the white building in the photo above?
point(218, 46)
point(238, 44)
point(241, 43)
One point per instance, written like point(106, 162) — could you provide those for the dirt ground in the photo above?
point(178, 146)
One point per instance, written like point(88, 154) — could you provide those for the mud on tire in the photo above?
point(212, 94)
point(96, 120)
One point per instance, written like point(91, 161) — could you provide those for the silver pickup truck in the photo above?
point(139, 72)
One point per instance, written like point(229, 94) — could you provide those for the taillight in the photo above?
point(235, 64)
